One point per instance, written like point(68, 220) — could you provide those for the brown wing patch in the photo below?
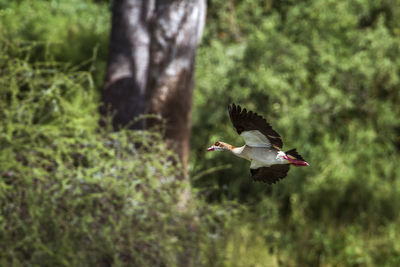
point(271, 174)
point(244, 120)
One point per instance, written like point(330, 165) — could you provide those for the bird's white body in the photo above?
point(260, 156)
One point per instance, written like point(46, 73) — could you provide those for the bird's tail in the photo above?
point(293, 153)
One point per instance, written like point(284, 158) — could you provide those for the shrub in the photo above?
point(74, 32)
point(326, 76)
point(74, 194)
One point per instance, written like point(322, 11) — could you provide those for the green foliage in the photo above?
point(326, 75)
point(75, 194)
point(69, 31)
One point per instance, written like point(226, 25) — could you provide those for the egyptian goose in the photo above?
point(263, 147)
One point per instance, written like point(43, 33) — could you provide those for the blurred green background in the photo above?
point(326, 74)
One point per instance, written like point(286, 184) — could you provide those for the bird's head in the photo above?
point(219, 146)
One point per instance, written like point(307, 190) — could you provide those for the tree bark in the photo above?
point(151, 65)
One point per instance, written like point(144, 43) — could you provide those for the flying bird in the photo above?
point(263, 147)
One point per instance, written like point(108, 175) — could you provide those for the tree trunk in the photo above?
point(151, 65)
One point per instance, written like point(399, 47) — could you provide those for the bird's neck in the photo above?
point(241, 152)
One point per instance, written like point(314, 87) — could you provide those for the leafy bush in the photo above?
point(74, 194)
point(74, 32)
point(326, 75)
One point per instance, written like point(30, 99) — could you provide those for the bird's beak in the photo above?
point(211, 148)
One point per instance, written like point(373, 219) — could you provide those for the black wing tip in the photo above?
point(235, 111)
point(293, 152)
point(268, 182)
point(270, 175)
point(234, 106)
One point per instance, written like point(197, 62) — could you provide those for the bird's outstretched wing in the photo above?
point(271, 174)
point(254, 129)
